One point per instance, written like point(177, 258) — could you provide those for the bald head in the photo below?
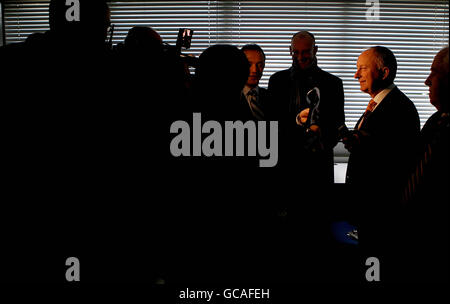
point(303, 50)
point(441, 60)
point(437, 81)
point(304, 35)
point(376, 69)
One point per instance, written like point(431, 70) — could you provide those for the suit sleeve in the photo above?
point(332, 113)
point(274, 97)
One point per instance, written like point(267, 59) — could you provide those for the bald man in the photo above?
point(289, 89)
point(432, 133)
point(427, 194)
point(381, 155)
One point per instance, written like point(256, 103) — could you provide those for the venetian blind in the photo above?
point(414, 30)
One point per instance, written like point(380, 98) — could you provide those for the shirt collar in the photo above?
point(247, 89)
point(380, 96)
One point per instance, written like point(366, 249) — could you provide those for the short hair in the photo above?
point(304, 34)
point(143, 37)
point(442, 56)
point(385, 58)
point(253, 47)
point(223, 65)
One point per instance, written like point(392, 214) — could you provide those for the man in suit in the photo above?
point(306, 152)
point(425, 182)
point(288, 90)
point(252, 93)
point(426, 194)
point(381, 154)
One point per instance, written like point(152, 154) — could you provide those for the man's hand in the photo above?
point(354, 139)
point(301, 119)
point(350, 141)
point(314, 128)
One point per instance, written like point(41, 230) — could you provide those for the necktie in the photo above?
point(416, 177)
point(372, 104)
point(252, 93)
point(252, 102)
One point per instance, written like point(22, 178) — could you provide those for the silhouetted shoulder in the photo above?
point(328, 77)
point(284, 74)
point(13, 50)
point(401, 101)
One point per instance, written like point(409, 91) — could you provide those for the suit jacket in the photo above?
point(376, 171)
point(385, 155)
point(262, 102)
point(282, 89)
point(428, 210)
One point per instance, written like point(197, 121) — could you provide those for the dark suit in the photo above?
point(66, 131)
point(427, 226)
point(286, 85)
point(376, 169)
point(386, 152)
point(261, 101)
point(305, 177)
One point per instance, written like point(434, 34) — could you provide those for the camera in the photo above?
point(184, 40)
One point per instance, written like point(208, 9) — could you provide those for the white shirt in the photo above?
point(380, 96)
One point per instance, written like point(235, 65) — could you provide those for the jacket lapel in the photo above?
point(378, 110)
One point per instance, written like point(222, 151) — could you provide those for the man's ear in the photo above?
point(315, 49)
point(290, 50)
point(385, 72)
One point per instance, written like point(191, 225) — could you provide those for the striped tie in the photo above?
point(417, 175)
point(252, 102)
point(372, 104)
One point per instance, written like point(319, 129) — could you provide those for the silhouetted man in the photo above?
point(60, 139)
point(426, 194)
point(231, 201)
point(220, 77)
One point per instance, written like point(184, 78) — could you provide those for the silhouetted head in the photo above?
point(376, 69)
point(223, 68)
point(437, 81)
point(143, 38)
point(94, 20)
